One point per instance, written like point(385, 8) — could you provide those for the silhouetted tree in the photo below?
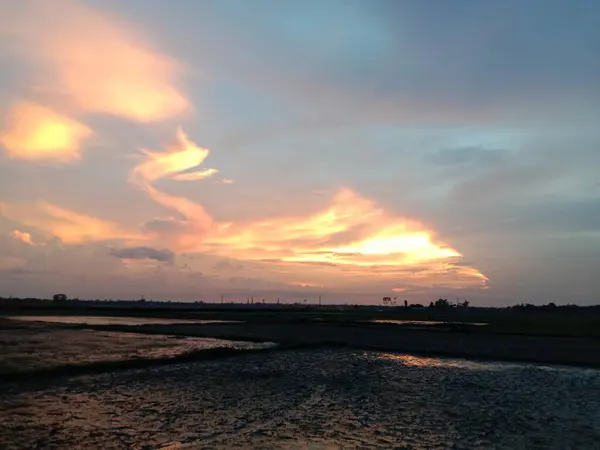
point(442, 303)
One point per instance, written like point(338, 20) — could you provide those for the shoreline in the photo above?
point(478, 346)
point(565, 351)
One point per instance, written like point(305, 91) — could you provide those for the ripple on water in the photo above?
point(313, 399)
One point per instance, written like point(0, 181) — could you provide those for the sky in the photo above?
point(349, 149)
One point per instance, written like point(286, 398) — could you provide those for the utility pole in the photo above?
point(319, 301)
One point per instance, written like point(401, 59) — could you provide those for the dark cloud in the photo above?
point(163, 255)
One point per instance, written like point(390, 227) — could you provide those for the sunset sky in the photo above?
point(354, 149)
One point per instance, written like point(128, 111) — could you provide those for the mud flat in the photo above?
point(574, 351)
point(115, 386)
point(34, 351)
point(310, 399)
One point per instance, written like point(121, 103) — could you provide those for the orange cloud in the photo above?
point(352, 239)
point(96, 62)
point(173, 163)
point(349, 243)
point(194, 176)
point(70, 227)
point(34, 132)
point(304, 284)
point(22, 236)
point(351, 231)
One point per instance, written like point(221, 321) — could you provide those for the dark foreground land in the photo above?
point(574, 351)
point(299, 378)
point(310, 399)
point(566, 336)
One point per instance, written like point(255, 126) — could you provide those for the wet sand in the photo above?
point(310, 399)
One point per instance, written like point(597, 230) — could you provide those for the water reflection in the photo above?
point(114, 320)
point(425, 322)
point(38, 348)
point(423, 361)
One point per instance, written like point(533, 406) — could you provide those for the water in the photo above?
point(425, 322)
point(35, 348)
point(311, 399)
point(110, 320)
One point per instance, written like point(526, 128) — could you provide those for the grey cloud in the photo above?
point(467, 156)
point(563, 165)
point(504, 181)
point(22, 271)
point(164, 225)
point(576, 216)
point(414, 59)
point(163, 255)
point(225, 265)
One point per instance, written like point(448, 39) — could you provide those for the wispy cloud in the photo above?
point(69, 226)
point(163, 255)
point(194, 176)
point(92, 61)
point(171, 163)
point(351, 235)
point(81, 63)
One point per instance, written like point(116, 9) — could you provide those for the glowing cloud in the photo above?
point(173, 163)
point(70, 227)
point(22, 236)
point(352, 238)
point(90, 63)
point(177, 158)
point(94, 61)
point(34, 132)
point(193, 176)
